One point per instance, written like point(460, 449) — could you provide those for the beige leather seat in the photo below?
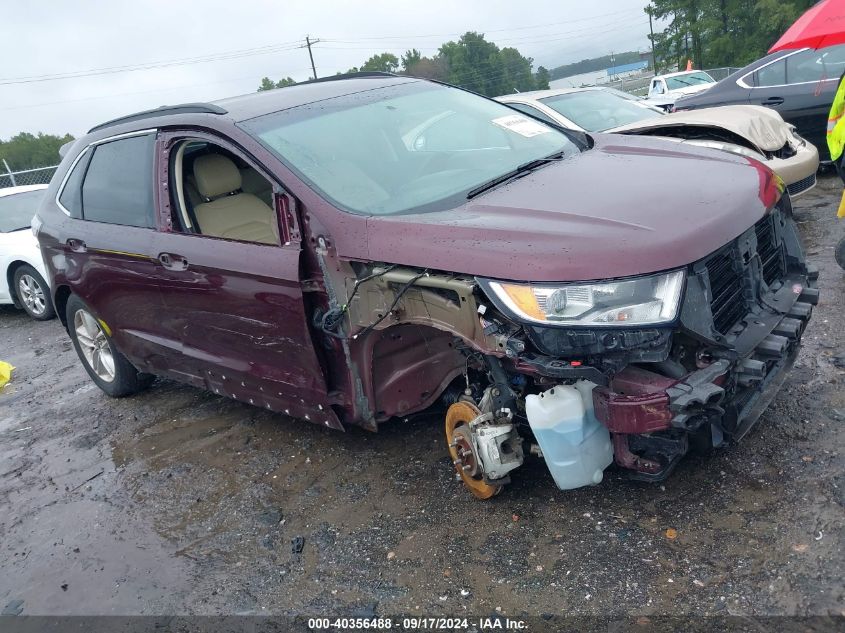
point(254, 183)
point(191, 193)
point(225, 213)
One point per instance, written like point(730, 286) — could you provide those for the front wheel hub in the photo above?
point(467, 459)
point(461, 449)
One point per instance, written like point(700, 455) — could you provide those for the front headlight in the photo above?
point(628, 302)
point(733, 148)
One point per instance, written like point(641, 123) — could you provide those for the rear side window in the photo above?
point(834, 61)
point(771, 75)
point(804, 67)
point(71, 198)
point(118, 185)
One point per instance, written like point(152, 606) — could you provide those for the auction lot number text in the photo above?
point(416, 624)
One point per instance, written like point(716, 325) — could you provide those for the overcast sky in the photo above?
point(257, 38)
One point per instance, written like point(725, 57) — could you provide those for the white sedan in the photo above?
point(22, 274)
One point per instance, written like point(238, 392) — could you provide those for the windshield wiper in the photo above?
point(521, 170)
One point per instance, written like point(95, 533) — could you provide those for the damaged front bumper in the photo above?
point(641, 393)
point(706, 379)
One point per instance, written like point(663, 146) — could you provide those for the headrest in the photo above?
point(216, 175)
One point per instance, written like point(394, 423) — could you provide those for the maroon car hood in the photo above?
point(628, 206)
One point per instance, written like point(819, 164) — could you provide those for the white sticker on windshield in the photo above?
point(521, 125)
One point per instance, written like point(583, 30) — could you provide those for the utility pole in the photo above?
point(651, 30)
point(308, 44)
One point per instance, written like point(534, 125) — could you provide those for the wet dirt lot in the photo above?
point(177, 501)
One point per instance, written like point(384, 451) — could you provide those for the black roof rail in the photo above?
point(185, 108)
point(359, 75)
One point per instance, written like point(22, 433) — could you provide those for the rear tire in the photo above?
point(839, 253)
point(108, 368)
point(33, 293)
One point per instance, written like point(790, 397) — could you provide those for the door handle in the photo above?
point(173, 262)
point(77, 246)
point(772, 101)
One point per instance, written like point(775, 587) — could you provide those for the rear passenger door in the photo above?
point(106, 242)
point(801, 87)
point(234, 297)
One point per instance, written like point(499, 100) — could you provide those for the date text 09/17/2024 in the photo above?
point(418, 623)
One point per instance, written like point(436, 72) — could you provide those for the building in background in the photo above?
point(615, 73)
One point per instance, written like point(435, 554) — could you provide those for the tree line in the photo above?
point(472, 63)
point(28, 151)
point(718, 33)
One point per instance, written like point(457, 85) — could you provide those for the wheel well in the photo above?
point(10, 279)
point(411, 367)
point(61, 297)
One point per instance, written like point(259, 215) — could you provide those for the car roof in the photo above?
point(256, 104)
point(542, 94)
point(786, 52)
point(10, 191)
point(681, 72)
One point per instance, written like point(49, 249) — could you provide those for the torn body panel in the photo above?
point(787, 154)
point(393, 336)
point(411, 331)
point(757, 125)
point(698, 381)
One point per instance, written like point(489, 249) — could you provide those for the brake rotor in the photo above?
point(458, 438)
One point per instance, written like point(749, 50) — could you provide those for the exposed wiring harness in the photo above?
point(393, 305)
point(331, 320)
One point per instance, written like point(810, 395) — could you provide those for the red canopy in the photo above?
point(822, 25)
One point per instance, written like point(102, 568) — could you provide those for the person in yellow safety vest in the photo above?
point(836, 145)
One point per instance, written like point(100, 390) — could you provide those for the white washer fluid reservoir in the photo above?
point(575, 445)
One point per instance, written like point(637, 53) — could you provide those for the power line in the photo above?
point(486, 31)
point(137, 92)
point(286, 46)
point(522, 40)
point(264, 50)
point(544, 40)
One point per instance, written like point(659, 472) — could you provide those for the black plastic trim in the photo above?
point(185, 108)
point(366, 74)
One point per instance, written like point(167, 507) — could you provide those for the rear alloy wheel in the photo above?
point(94, 345)
point(33, 293)
point(839, 253)
point(107, 367)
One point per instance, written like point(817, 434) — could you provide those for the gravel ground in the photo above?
point(180, 502)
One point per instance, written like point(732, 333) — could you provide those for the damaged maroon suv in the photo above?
point(365, 248)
